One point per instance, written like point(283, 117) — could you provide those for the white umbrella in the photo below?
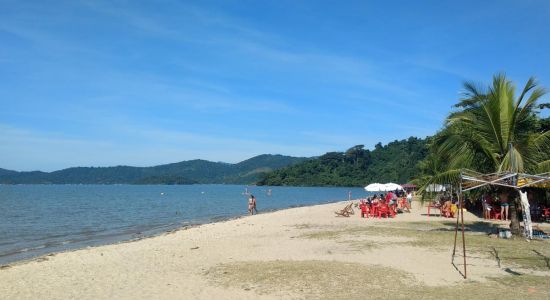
point(392, 187)
point(374, 187)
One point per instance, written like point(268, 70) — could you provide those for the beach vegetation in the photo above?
point(319, 279)
point(395, 162)
point(492, 129)
point(437, 236)
point(185, 172)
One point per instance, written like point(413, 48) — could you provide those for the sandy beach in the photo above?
point(299, 253)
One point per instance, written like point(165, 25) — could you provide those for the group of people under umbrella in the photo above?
point(389, 204)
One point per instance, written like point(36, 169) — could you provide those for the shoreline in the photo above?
point(303, 252)
point(156, 233)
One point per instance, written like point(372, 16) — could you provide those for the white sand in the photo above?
point(171, 266)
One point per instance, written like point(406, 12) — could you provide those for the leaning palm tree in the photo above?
point(493, 131)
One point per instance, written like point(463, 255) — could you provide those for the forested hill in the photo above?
point(6, 172)
point(186, 172)
point(394, 162)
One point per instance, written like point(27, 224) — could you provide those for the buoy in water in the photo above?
point(162, 193)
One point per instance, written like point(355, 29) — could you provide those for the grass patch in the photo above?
point(307, 279)
point(337, 280)
point(303, 226)
point(440, 236)
point(324, 235)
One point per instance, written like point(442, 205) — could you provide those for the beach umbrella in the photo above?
point(374, 187)
point(392, 187)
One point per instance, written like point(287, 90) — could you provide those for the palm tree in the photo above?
point(493, 131)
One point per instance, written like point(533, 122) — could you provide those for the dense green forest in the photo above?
point(394, 162)
point(186, 172)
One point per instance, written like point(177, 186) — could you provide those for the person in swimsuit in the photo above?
point(251, 204)
point(487, 206)
point(409, 200)
point(254, 204)
point(504, 204)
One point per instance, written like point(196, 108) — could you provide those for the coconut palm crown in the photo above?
point(493, 131)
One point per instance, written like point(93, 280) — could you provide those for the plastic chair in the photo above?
point(383, 210)
point(364, 210)
point(374, 210)
point(495, 215)
point(546, 214)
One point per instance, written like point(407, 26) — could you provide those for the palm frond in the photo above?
point(448, 177)
point(473, 95)
point(531, 83)
point(491, 131)
point(543, 166)
point(513, 161)
point(542, 143)
point(531, 102)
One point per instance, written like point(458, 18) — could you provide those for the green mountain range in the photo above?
point(394, 162)
point(185, 172)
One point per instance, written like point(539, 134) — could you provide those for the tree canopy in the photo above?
point(394, 162)
point(492, 130)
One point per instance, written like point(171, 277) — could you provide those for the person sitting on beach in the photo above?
point(394, 201)
point(446, 208)
point(388, 198)
point(364, 209)
point(454, 209)
point(369, 201)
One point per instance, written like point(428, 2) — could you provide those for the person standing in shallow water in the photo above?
point(252, 205)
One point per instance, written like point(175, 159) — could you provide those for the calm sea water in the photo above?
point(40, 219)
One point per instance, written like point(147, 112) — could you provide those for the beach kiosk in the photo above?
point(471, 180)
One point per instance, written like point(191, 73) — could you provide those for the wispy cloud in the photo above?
point(144, 83)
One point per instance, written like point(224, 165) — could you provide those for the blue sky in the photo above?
point(100, 83)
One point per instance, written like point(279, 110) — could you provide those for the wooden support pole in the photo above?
point(461, 201)
point(456, 234)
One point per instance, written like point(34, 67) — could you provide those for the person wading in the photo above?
point(252, 205)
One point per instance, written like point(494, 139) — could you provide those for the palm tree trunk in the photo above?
point(514, 217)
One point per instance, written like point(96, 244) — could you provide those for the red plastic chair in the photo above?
point(402, 202)
point(393, 210)
point(383, 210)
point(495, 215)
point(546, 214)
point(364, 210)
point(374, 210)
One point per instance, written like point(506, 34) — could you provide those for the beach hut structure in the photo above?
point(409, 187)
point(437, 188)
point(471, 180)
